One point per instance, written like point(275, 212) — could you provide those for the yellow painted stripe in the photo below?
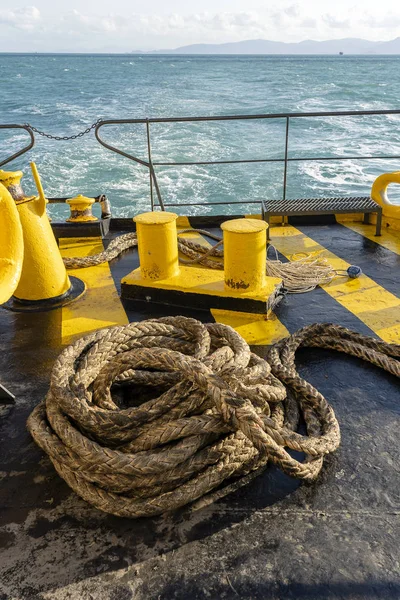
point(100, 306)
point(370, 302)
point(388, 240)
point(255, 329)
point(274, 219)
point(182, 222)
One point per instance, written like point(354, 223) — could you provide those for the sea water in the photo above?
point(64, 94)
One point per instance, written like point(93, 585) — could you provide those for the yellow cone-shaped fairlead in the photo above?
point(11, 245)
point(43, 274)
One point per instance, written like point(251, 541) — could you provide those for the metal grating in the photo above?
point(315, 205)
point(323, 206)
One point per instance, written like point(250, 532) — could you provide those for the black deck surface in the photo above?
point(274, 539)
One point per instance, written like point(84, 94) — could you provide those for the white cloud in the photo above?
point(199, 23)
point(25, 18)
point(388, 21)
point(290, 21)
point(334, 22)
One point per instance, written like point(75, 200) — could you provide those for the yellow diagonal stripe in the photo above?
point(100, 306)
point(370, 302)
point(388, 240)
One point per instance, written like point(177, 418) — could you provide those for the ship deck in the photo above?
point(275, 538)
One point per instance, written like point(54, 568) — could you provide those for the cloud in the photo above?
point(206, 26)
point(335, 23)
point(292, 11)
point(25, 18)
point(91, 31)
point(309, 23)
point(76, 22)
point(389, 21)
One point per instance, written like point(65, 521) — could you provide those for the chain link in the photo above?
point(65, 137)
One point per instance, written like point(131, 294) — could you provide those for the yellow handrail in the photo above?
point(11, 245)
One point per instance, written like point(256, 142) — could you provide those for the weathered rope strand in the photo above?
point(299, 275)
point(217, 411)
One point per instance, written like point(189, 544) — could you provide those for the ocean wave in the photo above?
point(208, 86)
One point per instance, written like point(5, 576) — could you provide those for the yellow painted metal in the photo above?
point(43, 273)
point(375, 306)
point(10, 178)
point(391, 212)
point(388, 239)
point(245, 254)
point(183, 222)
point(81, 209)
point(159, 267)
point(257, 330)
point(11, 245)
point(380, 186)
point(100, 306)
point(197, 280)
point(157, 245)
point(39, 186)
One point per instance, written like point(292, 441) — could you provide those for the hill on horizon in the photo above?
point(346, 45)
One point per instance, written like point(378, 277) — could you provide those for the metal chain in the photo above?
point(65, 137)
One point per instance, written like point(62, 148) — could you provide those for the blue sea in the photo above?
point(63, 94)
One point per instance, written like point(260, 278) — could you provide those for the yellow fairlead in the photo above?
point(43, 274)
point(11, 245)
point(81, 209)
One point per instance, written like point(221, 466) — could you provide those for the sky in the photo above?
point(126, 25)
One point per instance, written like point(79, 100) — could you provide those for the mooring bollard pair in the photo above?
point(242, 285)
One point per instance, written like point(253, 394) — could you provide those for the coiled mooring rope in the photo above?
point(298, 276)
point(218, 412)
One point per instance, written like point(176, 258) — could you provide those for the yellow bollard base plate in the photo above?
point(200, 288)
point(76, 290)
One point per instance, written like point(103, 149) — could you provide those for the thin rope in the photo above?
point(216, 412)
point(300, 275)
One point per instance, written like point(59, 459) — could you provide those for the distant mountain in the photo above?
point(392, 47)
point(347, 46)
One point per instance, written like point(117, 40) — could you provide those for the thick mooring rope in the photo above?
point(300, 275)
point(217, 412)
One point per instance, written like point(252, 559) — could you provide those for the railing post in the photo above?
point(149, 154)
point(286, 158)
point(25, 149)
point(153, 175)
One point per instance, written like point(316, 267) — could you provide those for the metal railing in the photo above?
point(285, 159)
point(150, 164)
point(24, 149)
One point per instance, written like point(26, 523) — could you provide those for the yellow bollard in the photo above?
point(245, 254)
point(243, 286)
point(157, 245)
point(43, 276)
point(81, 209)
